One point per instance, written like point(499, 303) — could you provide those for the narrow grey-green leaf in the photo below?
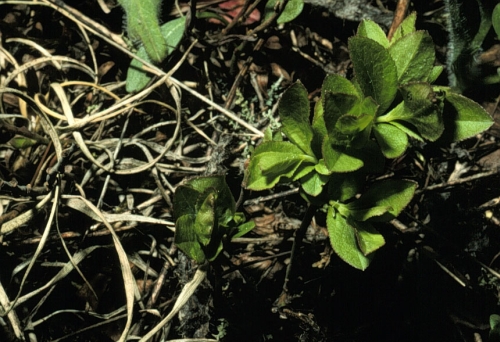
point(172, 33)
point(375, 70)
point(294, 113)
point(143, 24)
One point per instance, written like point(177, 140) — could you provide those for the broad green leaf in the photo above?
point(494, 335)
point(406, 27)
point(319, 128)
point(351, 124)
point(337, 160)
point(375, 70)
point(303, 170)
point(403, 127)
point(205, 220)
point(392, 140)
point(495, 19)
point(321, 168)
point(336, 105)
point(225, 203)
point(185, 200)
point(421, 107)
point(392, 194)
point(365, 214)
point(186, 238)
point(273, 160)
point(369, 239)
point(294, 113)
point(291, 11)
point(143, 25)
point(172, 33)
point(344, 241)
point(435, 73)
point(372, 30)
point(465, 118)
point(313, 183)
point(414, 56)
point(344, 186)
point(337, 84)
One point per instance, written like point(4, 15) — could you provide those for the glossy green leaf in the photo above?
point(344, 241)
point(186, 238)
point(337, 160)
point(372, 30)
point(20, 142)
point(465, 118)
point(143, 25)
point(392, 194)
point(292, 10)
point(392, 141)
point(375, 70)
point(406, 27)
point(273, 160)
point(369, 239)
point(414, 56)
point(294, 113)
point(205, 220)
point(172, 33)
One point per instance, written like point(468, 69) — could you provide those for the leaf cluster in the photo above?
point(355, 126)
point(205, 217)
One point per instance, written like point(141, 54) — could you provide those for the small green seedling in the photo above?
point(157, 42)
point(206, 217)
point(355, 126)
